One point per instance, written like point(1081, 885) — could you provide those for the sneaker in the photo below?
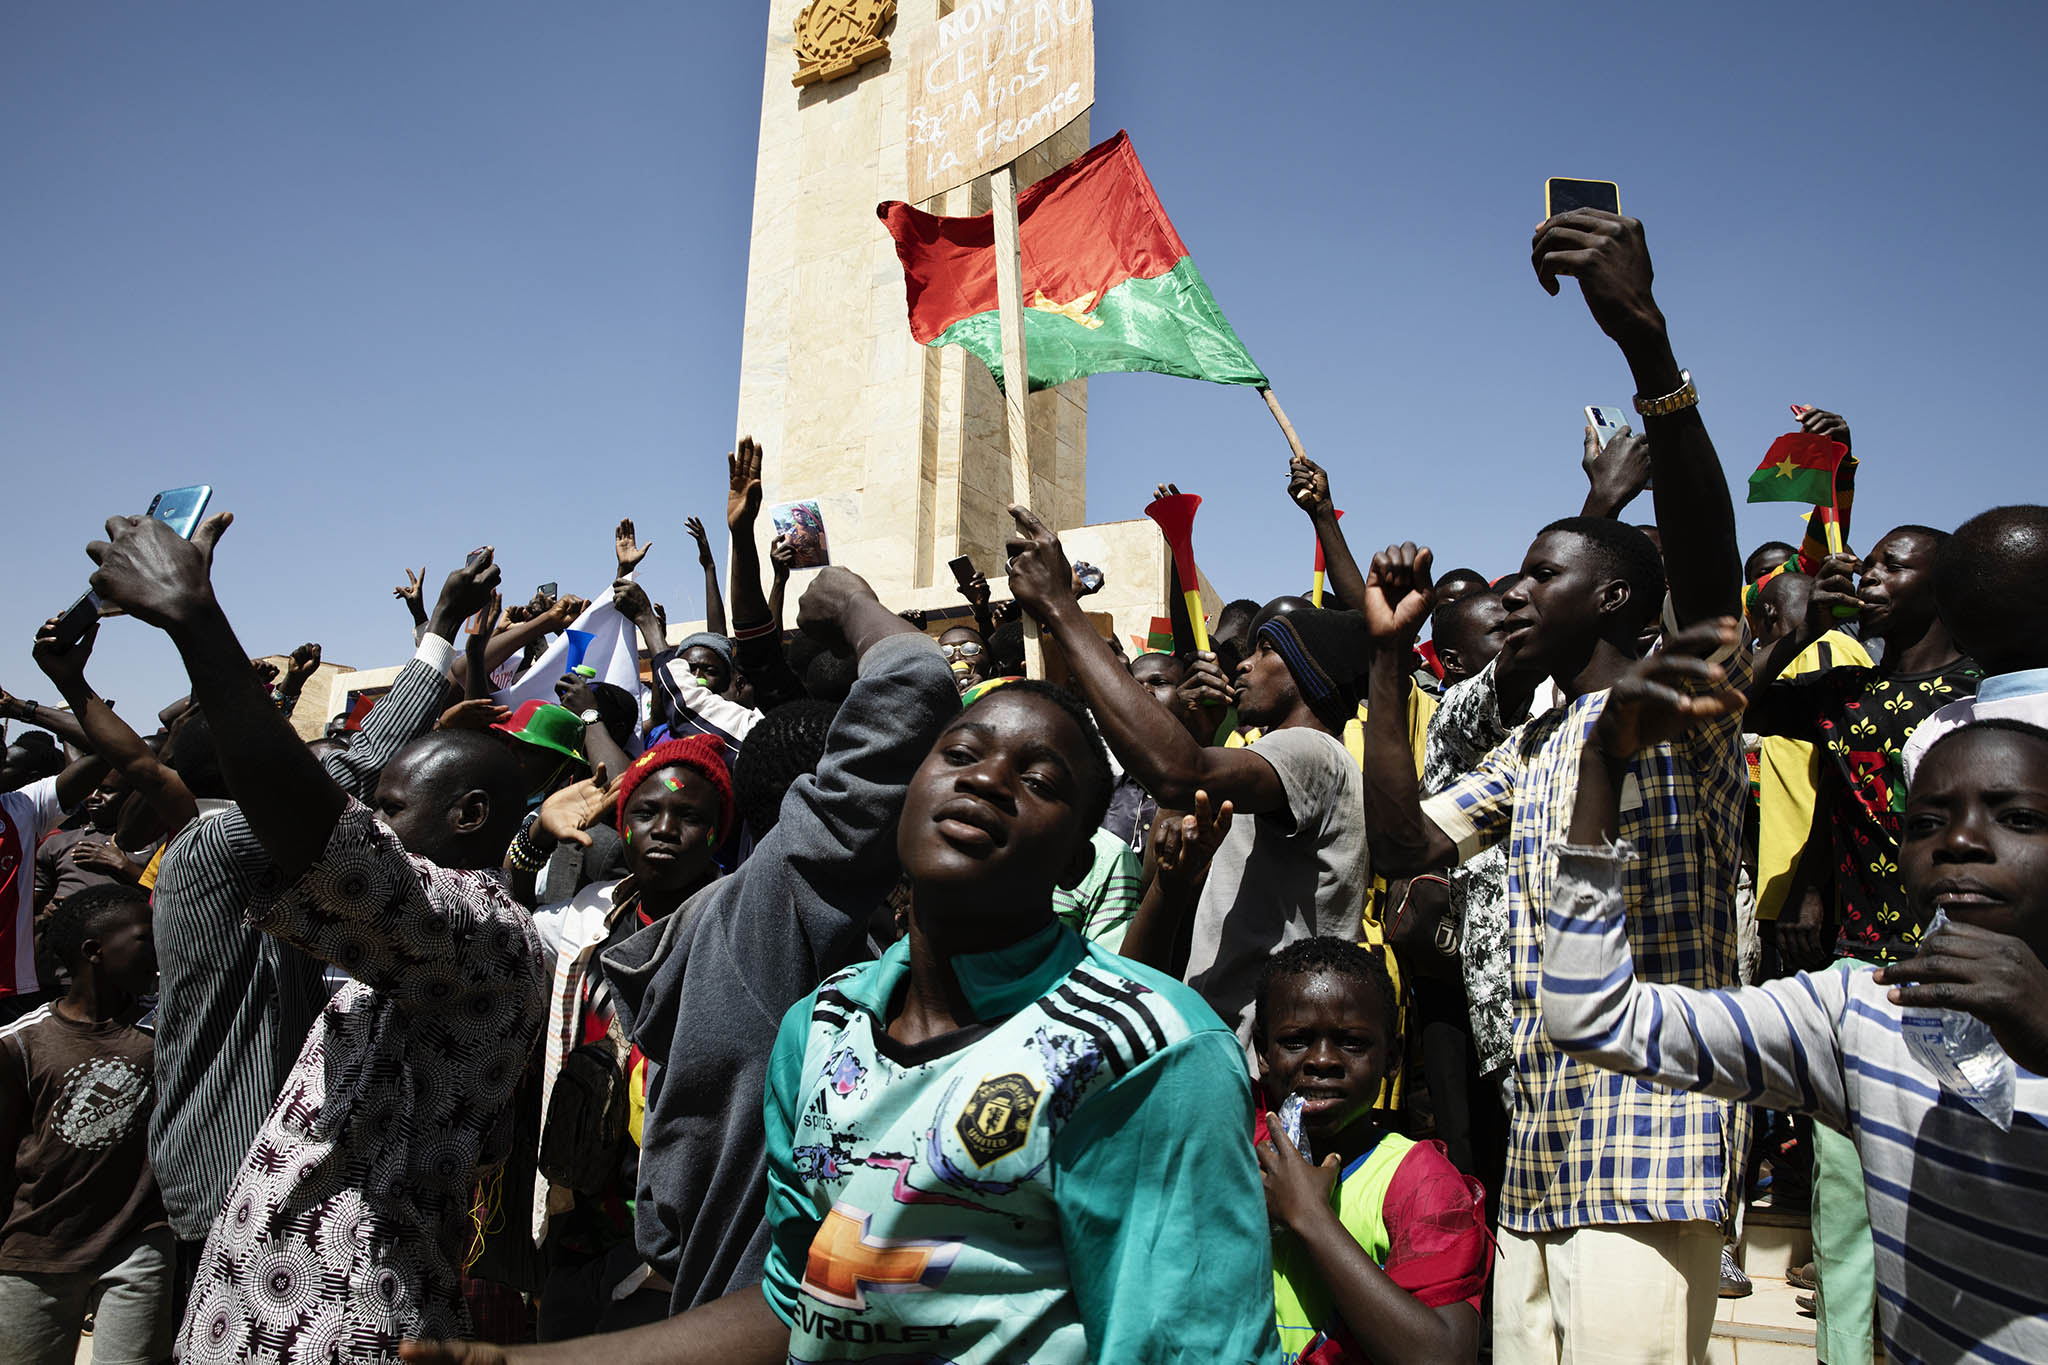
point(1803, 1277)
point(1734, 1284)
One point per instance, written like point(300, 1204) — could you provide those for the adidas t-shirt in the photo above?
point(1064, 1181)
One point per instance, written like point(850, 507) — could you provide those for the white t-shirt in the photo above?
point(1284, 875)
point(25, 817)
point(2009, 696)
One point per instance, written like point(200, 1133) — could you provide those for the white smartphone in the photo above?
point(1608, 423)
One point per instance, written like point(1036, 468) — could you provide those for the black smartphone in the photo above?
point(1562, 196)
point(963, 569)
point(547, 590)
point(77, 619)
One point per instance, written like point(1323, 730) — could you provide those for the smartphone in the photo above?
point(182, 509)
point(963, 569)
point(1562, 196)
point(1801, 409)
point(77, 619)
point(1608, 423)
point(548, 590)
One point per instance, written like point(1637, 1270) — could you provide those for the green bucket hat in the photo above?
point(547, 726)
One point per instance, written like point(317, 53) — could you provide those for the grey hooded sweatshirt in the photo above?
point(703, 991)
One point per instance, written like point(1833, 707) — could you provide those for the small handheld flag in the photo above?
point(1799, 467)
point(1176, 517)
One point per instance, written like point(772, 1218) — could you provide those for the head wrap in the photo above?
point(700, 752)
point(1327, 652)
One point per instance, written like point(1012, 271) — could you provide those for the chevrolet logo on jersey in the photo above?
point(997, 1117)
point(845, 1262)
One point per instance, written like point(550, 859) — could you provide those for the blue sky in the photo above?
point(403, 279)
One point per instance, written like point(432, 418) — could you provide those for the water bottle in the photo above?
point(1962, 1053)
point(1290, 1124)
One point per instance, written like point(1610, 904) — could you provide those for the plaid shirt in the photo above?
point(1586, 1146)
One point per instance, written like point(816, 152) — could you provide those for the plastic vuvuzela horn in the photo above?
point(1176, 517)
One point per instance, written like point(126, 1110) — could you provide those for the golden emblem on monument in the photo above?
point(834, 37)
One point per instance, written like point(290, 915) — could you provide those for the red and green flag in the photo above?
point(1799, 467)
point(1108, 284)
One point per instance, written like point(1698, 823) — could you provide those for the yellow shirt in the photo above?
point(1788, 782)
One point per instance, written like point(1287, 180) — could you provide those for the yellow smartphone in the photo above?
point(1562, 196)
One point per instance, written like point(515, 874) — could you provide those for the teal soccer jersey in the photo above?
point(1067, 1180)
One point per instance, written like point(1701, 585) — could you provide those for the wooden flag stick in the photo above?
point(1286, 427)
point(1010, 300)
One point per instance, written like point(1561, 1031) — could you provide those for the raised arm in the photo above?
point(742, 507)
point(1396, 600)
point(65, 727)
point(1608, 256)
point(1148, 740)
point(1309, 486)
point(782, 558)
point(1616, 474)
point(1183, 847)
point(106, 734)
point(1776, 1045)
point(289, 800)
point(714, 603)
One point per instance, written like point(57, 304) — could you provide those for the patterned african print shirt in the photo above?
point(1861, 719)
point(345, 1228)
point(1466, 726)
point(1588, 1147)
point(1066, 1181)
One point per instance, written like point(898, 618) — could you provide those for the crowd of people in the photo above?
point(1327, 995)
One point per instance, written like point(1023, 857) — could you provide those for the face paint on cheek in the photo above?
point(629, 838)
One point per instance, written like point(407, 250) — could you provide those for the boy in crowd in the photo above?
point(1860, 720)
point(343, 1230)
point(82, 1230)
point(1956, 1198)
point(978, 1146)
point(1381, 1250)
point(1609, 1180)
point(1988, 580)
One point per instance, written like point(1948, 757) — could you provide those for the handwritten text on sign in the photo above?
point(992, 80)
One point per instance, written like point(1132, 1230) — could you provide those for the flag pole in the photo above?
point(1010, 300)
point(1280, 416)
point(1016, 367)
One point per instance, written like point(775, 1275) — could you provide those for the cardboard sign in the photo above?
point(992, 80)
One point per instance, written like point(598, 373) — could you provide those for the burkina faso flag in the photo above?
point(1108, 283)
point(1799, 467)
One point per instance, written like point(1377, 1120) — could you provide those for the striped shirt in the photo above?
point(1101, 907)
point(1958, 1208)
point(1587, 1148)
point(236, 1003)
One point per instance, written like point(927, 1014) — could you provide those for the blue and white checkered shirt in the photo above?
point(1588, 1147)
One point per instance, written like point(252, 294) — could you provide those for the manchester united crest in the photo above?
point(997, 1118)
point(835, 37)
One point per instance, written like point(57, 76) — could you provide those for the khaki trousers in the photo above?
point(1624, 1294)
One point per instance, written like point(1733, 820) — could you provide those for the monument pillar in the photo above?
point(902, 446)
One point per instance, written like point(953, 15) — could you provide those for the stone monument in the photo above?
point(902, 446)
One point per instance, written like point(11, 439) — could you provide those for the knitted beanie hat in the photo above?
point(700, 752)
point(1327, 652)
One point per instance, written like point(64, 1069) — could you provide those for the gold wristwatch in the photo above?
point(1686, 397)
